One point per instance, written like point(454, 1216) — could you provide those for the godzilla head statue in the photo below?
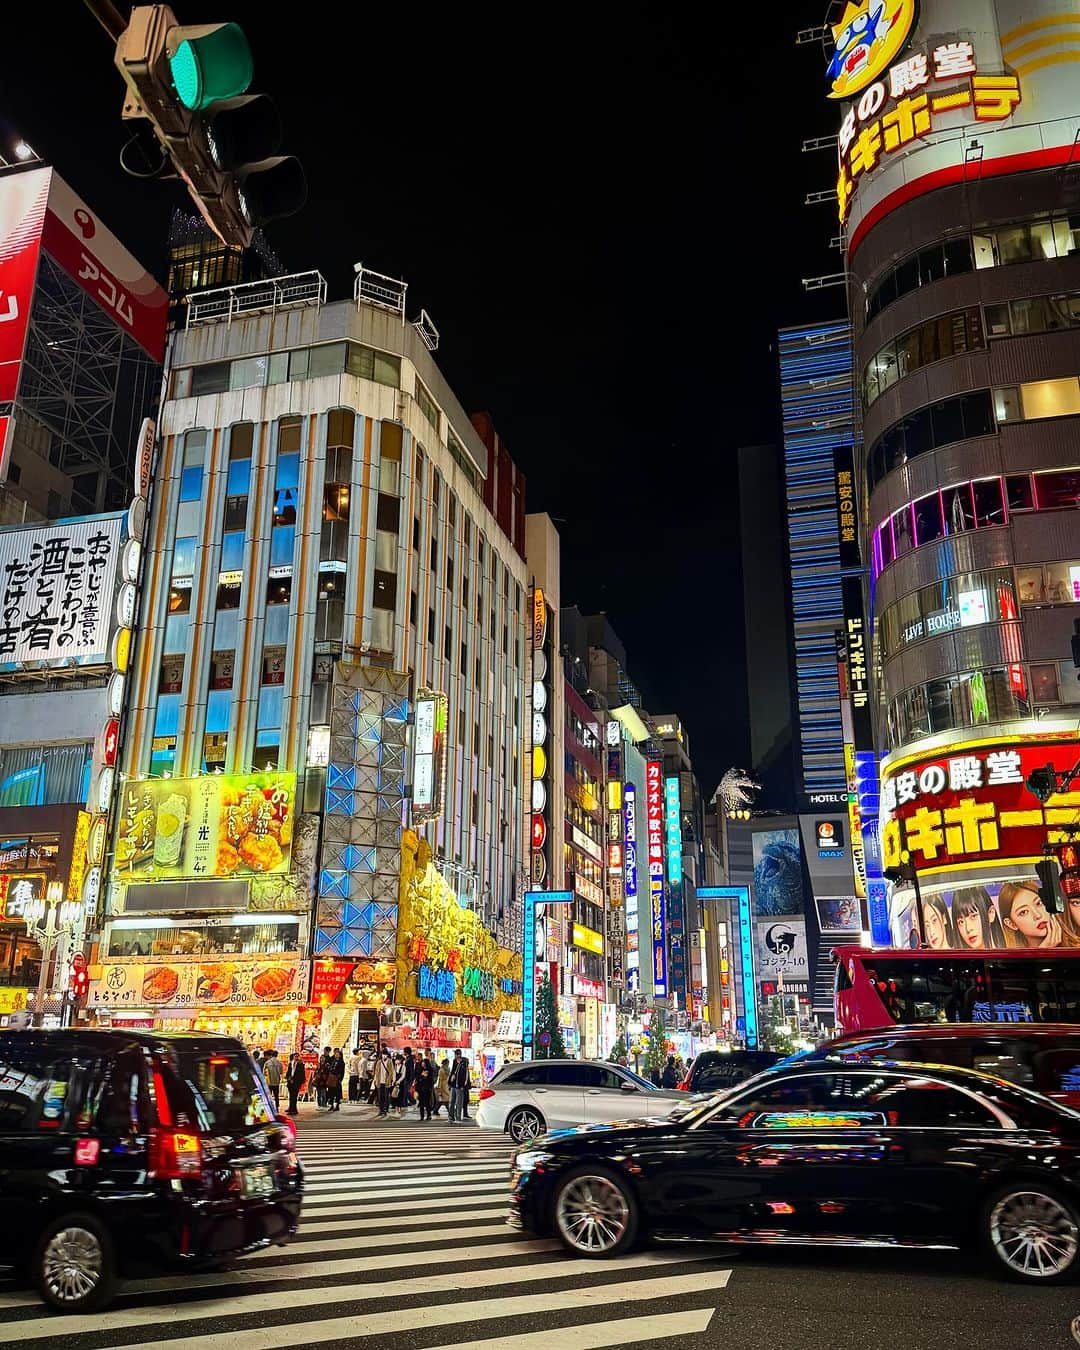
point(736, 789)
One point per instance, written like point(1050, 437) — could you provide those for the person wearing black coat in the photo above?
point(425, 1087)
point(295, 1075)
point(670, 1077)
point(409, 1080)
point(335, 1080)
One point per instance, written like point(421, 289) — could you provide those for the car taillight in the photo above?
point(684, 1086)
point(288, 1131)
point(87, 1152)
point(486, 1094)
point(174, 1154)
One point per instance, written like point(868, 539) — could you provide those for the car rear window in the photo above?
point(223, 1091)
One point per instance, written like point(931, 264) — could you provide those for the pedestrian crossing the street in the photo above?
point(403, 1243)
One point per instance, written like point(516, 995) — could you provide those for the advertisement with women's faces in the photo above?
point(1003, 914)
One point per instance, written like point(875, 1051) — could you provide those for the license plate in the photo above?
point(256, 1180)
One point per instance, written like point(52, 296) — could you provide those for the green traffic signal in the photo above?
point(211, 64)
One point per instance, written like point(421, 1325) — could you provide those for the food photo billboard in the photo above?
point(220, 825)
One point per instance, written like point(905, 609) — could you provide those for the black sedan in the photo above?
point(904, 1156)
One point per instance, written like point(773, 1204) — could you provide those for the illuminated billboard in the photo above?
point(220, 825)
point(58, 592)
point(654, 817)
point(630, 886)
point(932, 92)
point(970, 805)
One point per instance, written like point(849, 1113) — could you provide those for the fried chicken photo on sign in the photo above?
point(261, 852)
point(228, 859)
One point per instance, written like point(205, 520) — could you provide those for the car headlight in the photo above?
point(530, 1159)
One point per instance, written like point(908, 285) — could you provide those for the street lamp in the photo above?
point(48, 919)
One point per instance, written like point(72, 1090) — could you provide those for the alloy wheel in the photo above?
point(525, 1125)
point(1034, 1234)
point(592, 1214)
point(72, 1264)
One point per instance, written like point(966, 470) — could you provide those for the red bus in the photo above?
point(877, 989)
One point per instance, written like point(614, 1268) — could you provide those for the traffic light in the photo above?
point(1068, 856)
point(1042, 783)
point(190, 84)
point(1050, 884)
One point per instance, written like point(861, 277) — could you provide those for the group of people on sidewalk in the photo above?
point(395, 1082)
point(293, 1075)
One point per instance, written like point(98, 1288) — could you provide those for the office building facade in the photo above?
point(334, 624)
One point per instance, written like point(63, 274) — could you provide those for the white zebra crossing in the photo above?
point(395, 1243)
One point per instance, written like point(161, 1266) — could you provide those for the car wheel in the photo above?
point(1032, 1233)
point(596, 1213)
point(73, 1264)
point(524, 1124)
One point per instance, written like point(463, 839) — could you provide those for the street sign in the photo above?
point(528, 962)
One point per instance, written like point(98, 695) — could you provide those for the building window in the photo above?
point(1030, 241)
point(934, 340)
point(1038, 399)
point(384, 591)
point(968, 699)
point(965, 601)
point(1034, 314)
point(952, 419)
point(426, 404)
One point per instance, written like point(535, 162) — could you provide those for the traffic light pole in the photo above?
point(108, 16)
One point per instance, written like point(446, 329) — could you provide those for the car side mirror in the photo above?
point(629, 1087)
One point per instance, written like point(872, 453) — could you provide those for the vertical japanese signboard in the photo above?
point(847, 524)
point(429, 757)
point(654, 817)
point(630, 888)
point(857, 648)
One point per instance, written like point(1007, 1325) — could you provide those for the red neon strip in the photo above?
point(995, 168)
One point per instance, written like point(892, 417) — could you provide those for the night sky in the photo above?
point(601, 209)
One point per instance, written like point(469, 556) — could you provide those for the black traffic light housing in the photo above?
point(1049, 884)
point(1042, 783)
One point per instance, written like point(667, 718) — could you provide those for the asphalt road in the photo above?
point(403, 1246)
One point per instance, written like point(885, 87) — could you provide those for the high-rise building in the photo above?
point(818, 420)
point(958, 194)
point(335, 638)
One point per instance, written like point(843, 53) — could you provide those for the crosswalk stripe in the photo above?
point(435, 1210)
point(42, 1328)
point(447, 1203)
point(466, 1187)
point(496, 1214)
point(335, 1172)
point(363, 1242)
point(418, 1316)
point(623, 1331)
point(404, 1184)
